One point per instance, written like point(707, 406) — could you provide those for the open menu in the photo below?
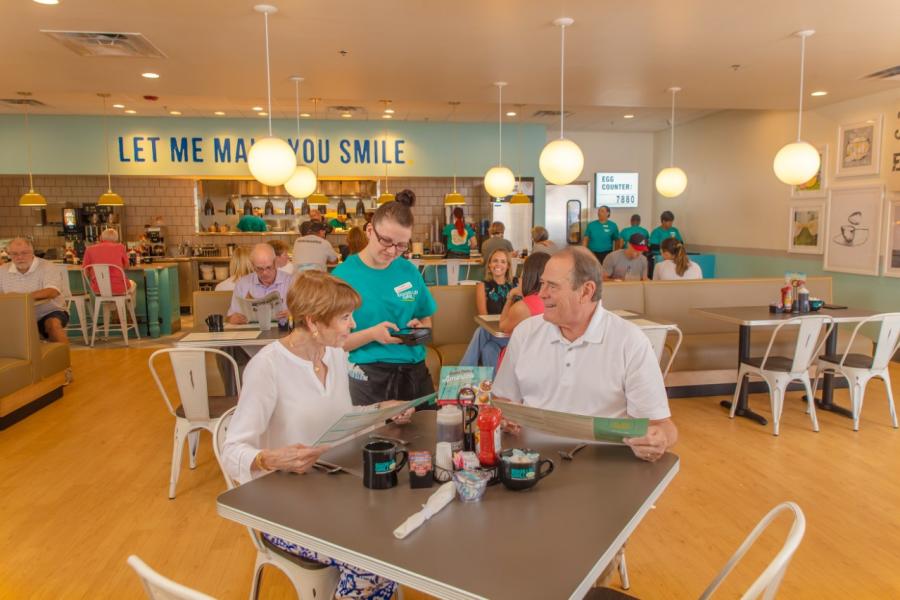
point(570, 425)
point(252, 307)
point(364, 419)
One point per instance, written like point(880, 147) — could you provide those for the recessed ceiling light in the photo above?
point(263, 114)
point(257, 108)
point(304, 115)
point(389, 111)
point(628, 117)
point(346, 115)
point(47, 2)
point(511, 114)
point(131, 111)
point(149, 75)
point(819, 93)
point(219, 113)
point(175, 112)
point(118, 106)
point(387, 116)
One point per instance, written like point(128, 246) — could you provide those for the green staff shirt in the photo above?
point(659, 234)
point(396, 294)
point(601, 236)
point(633, 229)
point(456, 242)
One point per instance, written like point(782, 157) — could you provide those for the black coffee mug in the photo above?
point(381, 464)
point(523, 475)
point(215, 323)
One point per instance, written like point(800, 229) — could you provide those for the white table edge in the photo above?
point(223, 343)
point(705, 312)
point(401, 576)
point(588, 582)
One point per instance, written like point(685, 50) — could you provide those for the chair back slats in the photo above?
point(158, 587)
point(888, 340)
point(809, 339)
point(190, 377)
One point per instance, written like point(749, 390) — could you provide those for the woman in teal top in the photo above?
point(459, 235)
point(600, 236)
point(635, 228)
point(665, 230)
point(394, 296)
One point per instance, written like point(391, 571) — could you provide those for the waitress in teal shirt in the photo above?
point(394, 296)
point(665, 230)
point(459, 235)
point(601, 235)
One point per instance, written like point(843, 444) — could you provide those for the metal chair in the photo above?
point(82, 307)
point(124, 303)
point(658, 335)
point(197, 409)
point(310, 579)
point(779, 371)
point(158, 587)
point(860, 368)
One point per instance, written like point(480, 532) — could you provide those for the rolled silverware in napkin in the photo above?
point(438, 500)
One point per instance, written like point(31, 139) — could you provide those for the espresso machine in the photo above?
point(156, 236)
point(97, 218)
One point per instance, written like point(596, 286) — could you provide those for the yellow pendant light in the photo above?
point(385, 196)
point(30, 198)
point(109, 197)
point(499, 181)
point(304, 181)
point(317, 198)
point(799, 161)
point(271, 160)
point(561, 160)
point(454, 198)
point(671, 181)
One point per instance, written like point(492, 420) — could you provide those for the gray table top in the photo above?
point(224, 341)
point(566, 529)
point(759, 316)
point(491, 324)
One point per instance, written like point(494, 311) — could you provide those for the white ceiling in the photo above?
point(622, 55)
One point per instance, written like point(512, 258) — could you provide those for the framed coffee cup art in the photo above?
point(853, 232)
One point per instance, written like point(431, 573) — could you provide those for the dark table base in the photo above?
point(745, 412)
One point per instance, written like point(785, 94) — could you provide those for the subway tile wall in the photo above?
point(173, 199)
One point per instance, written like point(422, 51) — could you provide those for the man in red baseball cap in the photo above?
point(629, 263)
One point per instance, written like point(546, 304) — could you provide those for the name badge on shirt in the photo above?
point(402, 287)
point(405, 292)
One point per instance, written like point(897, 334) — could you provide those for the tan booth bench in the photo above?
point(32, 372)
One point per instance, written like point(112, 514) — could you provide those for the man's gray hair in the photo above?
point(22, 240)
point(262, 251)
point(109, 235)
point(585, 268)
point(539, 234)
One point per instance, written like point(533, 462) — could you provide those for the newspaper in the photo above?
point(581, 427)
point(363, 419)
point(252, 308)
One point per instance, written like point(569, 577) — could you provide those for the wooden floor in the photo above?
point(83, 485)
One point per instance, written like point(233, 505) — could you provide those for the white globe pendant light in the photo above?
point(671, 181)
point(798, 162)
point(499, 181)
point(304, 181)
point(561, 160)
point(271, 160)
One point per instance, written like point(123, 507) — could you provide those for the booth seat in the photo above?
point(454, 322)
point(32, 372)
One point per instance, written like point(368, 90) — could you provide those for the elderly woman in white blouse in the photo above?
point(293, 390)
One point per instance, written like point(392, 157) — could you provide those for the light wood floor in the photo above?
point(83, 485)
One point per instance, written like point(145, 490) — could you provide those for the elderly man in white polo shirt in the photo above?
point(580, 358)
point(44, 281)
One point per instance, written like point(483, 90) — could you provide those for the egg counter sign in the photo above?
point(616, 190)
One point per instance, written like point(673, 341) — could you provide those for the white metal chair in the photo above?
point(658, 335)
point(197, 410)
point(310, 579)
point(82, 307)
point(158, 587)
point(124, 303)
point(779, 371)
point(860, 368)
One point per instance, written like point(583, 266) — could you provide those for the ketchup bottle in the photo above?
point(488, 435)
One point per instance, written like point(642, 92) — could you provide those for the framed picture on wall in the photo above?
point(817, 186)
point(807, 227)
point(859, 148)
point(892, 238)
point(853, 232)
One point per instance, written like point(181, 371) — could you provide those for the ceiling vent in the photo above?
point(540, 114)
point(892, 74)
point(98, 43)
point(21, 102)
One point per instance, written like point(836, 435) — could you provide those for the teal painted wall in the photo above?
point(874, 293)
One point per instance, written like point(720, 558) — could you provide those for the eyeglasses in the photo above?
point(22, 254)
point(389, 243)
point(264, 269)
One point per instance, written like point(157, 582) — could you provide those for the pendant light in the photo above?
point(108, 198)
point(289, 207)
point(671, 181)
point(799, 161)
point(342, 208)
point(208, 208)
point(30, 198)
point(386, 196)
point(499, 181)
point(561, 160)
point(454, 198)
point(360, 208)
point(248, 207)
point(271, 160)
point(303, 182)
point(316, 197)
point(519, 197)
point(229, 206)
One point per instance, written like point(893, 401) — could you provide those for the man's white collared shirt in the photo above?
point(610, 371)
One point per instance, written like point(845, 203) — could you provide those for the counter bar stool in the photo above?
point(860, 368)
point(158, 587)
point(779, 371)
point(310, 579)
point(197, 410)
point(124, 303)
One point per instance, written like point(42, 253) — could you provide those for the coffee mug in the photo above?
point(215, 322)
point(523, 474)
point(381, 464)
